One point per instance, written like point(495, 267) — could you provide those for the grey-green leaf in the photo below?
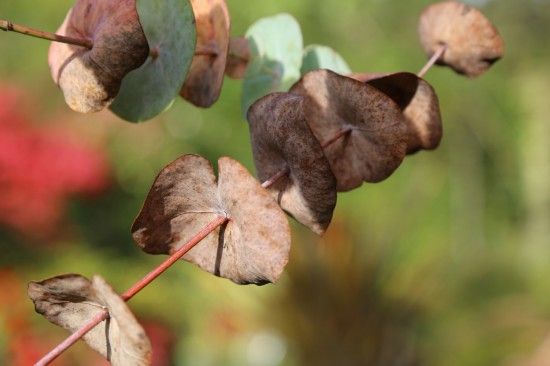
point(323, 57)
point(169, 26)
point(276, 48)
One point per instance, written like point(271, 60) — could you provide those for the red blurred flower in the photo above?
point(163, 340)
point(40, 169)
point(24, 345)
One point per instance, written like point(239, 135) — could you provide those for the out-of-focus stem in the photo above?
point(436, 56)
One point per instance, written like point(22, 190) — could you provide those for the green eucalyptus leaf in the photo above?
point(169, 26)
point(275, 57)
point(323, 57)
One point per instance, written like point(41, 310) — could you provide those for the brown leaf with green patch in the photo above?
point(472, 42)
point(253, 246)
point(71, 301)
point(90, 78)
point(376, 139)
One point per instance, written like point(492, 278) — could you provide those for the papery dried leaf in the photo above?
point(473, 42)
point(181, 201)
point(281, 139)
point(252, 247)
point(71, 301)
point(419, 103)
point(91, 78)
point(205, 78)
point(238, 57)
point(376, 142)
point(258, 227)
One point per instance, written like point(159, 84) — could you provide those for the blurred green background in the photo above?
point(445, 263)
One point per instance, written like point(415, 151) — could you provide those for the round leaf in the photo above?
point(70, 301)
point(169, 26)
point(472, 42)
point(254, 245)
point(276, 57)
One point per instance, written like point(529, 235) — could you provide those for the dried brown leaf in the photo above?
point(376, 143)
point(70, 301)
point(473, 42)
point(419, 103)
point(90, 78)
point(281, 139)
point(252, 247)
point(238, 58)
point(205, 78)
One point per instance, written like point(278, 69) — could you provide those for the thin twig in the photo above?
point(8, 26)
point(435, 57)
point(275, 177)
point(132, 291)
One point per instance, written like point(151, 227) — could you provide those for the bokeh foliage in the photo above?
point(445, 263)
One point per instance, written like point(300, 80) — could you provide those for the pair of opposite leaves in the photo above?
point(156, 36)
point(333, 132)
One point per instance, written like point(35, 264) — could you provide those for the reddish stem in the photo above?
point(137, 287)
point(8, 26)
point(343, 132)
point(436, 56)
point(275, 177)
